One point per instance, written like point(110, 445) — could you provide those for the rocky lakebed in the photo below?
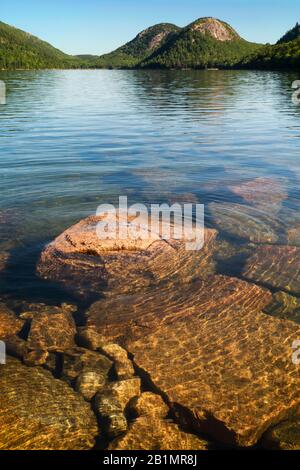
point(171, 351)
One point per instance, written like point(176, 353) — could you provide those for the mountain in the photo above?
point(207, 42)
point(21, 50)
point(292, 34)
point(144, 44)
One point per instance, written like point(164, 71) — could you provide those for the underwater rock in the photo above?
point(226, 369)
point(293, 235)
point(154, 433)
point(275, 266)
point(123, 365)
point(30, 310)
point(87, 264)
point(264, 193)
point(124, 318)
point(35, 358)
point(284, 436)
point(111, 415)
point(78, 360)
point(4, 257)
point(150, 404)
point(10, 324)
point(54, 333)
point(39, 412)
point(245, 223)
point(16, 347)
point(125, 390)
point(285, 306)
point(88, 337)
point(88, 383)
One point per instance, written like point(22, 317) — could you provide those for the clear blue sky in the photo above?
point(98, 26)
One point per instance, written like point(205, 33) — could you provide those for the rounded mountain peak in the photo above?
point(215, 28)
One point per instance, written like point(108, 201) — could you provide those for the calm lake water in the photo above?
point(71, 140)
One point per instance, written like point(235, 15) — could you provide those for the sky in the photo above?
point(99, 26)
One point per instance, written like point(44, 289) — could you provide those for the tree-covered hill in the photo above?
point(283, 55)
point(21, 50)
point(144, 44)
point(280, 56)
point(207, 42)
point(292, 34)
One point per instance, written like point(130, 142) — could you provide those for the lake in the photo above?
point(71, 140)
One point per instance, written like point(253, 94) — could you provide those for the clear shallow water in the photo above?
point(71, 140)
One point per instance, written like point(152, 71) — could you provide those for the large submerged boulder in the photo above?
point(275, 266)
point(39, 412)
point(125, 318)
point(228, 372)
point(224, 366)
point(87, 264)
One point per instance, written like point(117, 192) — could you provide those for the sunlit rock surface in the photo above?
point(285, 306)
point(245, 223)
point(223, 364)
point(83, 262)
point(284, 436)
point(275, 266)
point(125, 318)
point(10, 324)
point(54, 332)
point(38, 412)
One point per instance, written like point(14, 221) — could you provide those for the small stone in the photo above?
point(125, 390)
point(88, 337)
point(88, 383)
point(10, 324)
point(284, 436)
point(111, 415)
point(16, 346)
point(52, 363)
point(154, 433)
point(149, 404)
point(123, 366)
point(78, 360)
point(35, 358)
point(54, 333)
